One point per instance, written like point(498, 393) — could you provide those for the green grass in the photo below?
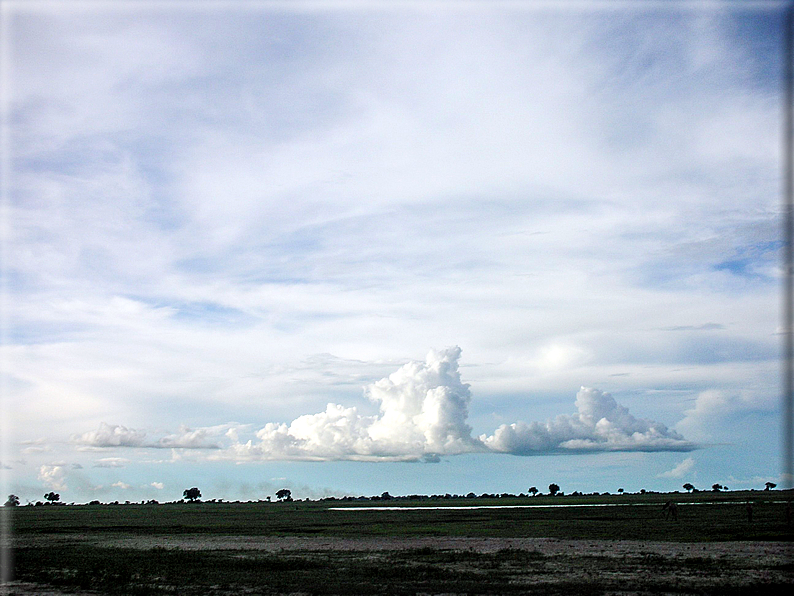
point(718, 517)
point(62, 546)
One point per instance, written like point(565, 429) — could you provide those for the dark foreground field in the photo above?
point(305, 548)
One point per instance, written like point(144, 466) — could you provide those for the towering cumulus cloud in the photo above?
point(423, 412)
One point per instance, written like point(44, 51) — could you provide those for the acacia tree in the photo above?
point(284, 494)
point(52, 497)
point(770, 485)
point(191, 494)
point(716, 487)
point(533, 490)
point(13, 501)
point(688, 487)
point(553, 489)
point(620, 490)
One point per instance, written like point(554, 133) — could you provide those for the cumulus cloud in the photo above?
point(188, 438)
point(600, 424)
point(53, 476)
point(110, 436)
point(423, 413)
point(423, 409)
point(157, 485)
point(680, 470)
point(121, 485)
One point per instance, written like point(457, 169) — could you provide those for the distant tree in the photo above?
point(716, 487)
point(284, 494)
point(191, 494)
point(553, 489)
point(13, 501)
point(533, 490)
point(770, 485)
point(688, 487)
point(52, 497)
point(386, 496)
point(620, 490)
point(642, 491)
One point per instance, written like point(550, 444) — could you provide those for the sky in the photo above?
point(348, 248)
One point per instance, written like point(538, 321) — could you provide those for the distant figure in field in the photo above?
point(749, 509)
point(670, 509)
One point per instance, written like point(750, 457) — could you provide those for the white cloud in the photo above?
point(601, 424)
point(110, 436)
point(423, 413)
point(111, 462)
point(36, 449)
point(680, 470)
point(53, 476)
point(193, 218)
point(157, 485)
point(121, 485)
point(715, 407)
point(188, 438)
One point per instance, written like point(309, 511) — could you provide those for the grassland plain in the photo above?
point(625, 546)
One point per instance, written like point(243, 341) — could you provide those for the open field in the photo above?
point(627, 547)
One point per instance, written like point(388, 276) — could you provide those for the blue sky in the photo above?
point(416, 248)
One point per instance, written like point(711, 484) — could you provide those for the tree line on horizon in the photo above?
point(193, 495)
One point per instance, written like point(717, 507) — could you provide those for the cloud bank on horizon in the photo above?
point(423, 412)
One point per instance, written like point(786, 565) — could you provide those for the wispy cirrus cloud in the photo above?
point(202, 202)
point(111, 462)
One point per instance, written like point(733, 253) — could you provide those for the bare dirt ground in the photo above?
point(621, 567)
point(766, 552)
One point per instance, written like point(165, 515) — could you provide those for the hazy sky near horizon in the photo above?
point(415, 248)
